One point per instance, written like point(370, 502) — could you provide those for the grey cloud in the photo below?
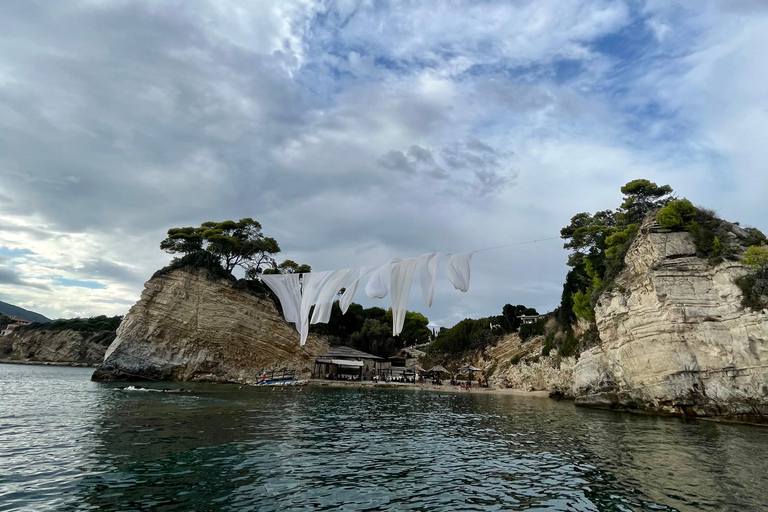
point(101, 268)
point(9, 276)
point(396, 161)
point(35, 233)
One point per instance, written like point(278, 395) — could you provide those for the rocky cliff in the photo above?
point(674, 337)
point(64, 346)
point(189, 326)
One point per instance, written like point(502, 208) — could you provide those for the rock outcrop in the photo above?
point(189, 326)
point(674, 337)
point(64, 346)
point(518, 364)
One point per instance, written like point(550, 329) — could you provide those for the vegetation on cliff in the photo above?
point(230, 243)
point(754, 285)
point(476, 334)
point(92, 324)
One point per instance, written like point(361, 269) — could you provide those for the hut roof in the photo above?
point(348, 353)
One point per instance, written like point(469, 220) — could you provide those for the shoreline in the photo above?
point(49, 363)
point(420, 387)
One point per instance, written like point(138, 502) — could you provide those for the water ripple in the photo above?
point(69, 444)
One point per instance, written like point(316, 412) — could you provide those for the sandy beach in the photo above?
point(447, 388)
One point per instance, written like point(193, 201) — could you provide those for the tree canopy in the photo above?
point(233, 244)
point(599, 242)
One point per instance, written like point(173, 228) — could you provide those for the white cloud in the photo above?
point(358, 131)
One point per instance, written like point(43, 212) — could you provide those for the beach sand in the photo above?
point(447, 388)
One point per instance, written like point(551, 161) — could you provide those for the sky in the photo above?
point(359, 131)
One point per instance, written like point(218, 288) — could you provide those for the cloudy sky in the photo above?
point(357, 131)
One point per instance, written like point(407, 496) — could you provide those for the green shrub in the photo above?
point(676, 214)
point(754, 289)
point(569, 346)
point(582, 305)
point(527, 331)
point(756, 257)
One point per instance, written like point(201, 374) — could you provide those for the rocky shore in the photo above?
point(62, 347)
point(188, 326)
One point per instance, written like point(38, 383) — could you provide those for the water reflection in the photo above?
point(224, 448)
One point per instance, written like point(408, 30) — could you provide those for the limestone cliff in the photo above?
point(63, 346)
point(188, 326)
point(513, 363)
point(674, 337)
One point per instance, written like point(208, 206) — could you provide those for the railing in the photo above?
point(276, 375)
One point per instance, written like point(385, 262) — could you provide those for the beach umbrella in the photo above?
point(439, 369)
point(470, 369)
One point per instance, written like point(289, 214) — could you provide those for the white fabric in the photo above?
point(427, 269)
point(349, 293)
point(313, 282)
point(378, 284)
point(402, 277)
point(458, 270)
point(287, 287)
point(324, 303)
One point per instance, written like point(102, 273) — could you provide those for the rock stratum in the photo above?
point(65, 346)
point(675, 338)
point(188, 326)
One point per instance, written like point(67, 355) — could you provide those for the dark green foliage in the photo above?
point(375, 337)
point(515, 360)
point(5, 320)
point(754, 289)
point(569, 345)
point(709, 233)
point(370, 330)
point(754, 286)
point(641, 197)
point(233, 243)
point(466, 335)
point(96, 323)
point(510, 316)
point(528, 331)
point(548, 345)
point(599, 244)
point(199, 260)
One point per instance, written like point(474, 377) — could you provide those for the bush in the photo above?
point(756, 257)
point(754, 289)
point(528, 331)
point(200, 259)
point(676, 214)
point(96, 323)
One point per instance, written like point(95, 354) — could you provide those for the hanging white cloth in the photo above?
point(458, 270)
point(378, 284)
point(402, 277)
point(427, 269)
point(312, 283)
point(287, 287)
point(324, 302)
point(349, 293)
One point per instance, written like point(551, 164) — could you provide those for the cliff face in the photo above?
point(189, 327)
point(520, 365)
point(56, 346)
point(675, 338)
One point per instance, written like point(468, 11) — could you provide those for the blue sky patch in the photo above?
point(91, 285)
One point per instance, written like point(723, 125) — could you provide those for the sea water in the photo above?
point(67, 443)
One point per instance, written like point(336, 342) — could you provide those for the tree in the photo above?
point(233, 243)
point(642, 196)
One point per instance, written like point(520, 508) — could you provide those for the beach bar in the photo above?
point(345, 363)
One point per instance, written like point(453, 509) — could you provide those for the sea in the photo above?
point(69, 444)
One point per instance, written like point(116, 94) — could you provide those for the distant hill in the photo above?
point(11, 310)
